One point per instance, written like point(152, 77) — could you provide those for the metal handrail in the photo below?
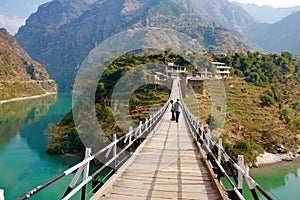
point(130, 138)
point(199, 130)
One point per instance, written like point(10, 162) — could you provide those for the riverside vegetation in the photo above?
point(262, 102)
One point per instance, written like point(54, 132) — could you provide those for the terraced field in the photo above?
point(239, 103)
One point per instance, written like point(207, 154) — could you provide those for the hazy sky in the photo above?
point(273, 3)
point(13, 13)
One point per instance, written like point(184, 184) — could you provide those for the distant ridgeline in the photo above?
point(62, 33)
point(262, 98)
point(20, 76)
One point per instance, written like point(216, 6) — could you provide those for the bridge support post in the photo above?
point(115, 152)
point(131, 149)
point(130, 134)
point(2, 194)
point(83, 169)
point(146, 124)
point(240, 175)
point(140, 131)
point(86, 169)
point(219, 150)
point(249, 182)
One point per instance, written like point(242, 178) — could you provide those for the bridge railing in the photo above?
point(117, 156)
point(216, 156)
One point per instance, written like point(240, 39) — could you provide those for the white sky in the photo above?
point(272, 3)
point(13, 13)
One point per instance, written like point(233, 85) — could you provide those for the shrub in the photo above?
point(242, 145)
point(266, 100)
point(213, 122)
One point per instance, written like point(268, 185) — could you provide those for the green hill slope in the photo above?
point(143, 101)
point(262, 104)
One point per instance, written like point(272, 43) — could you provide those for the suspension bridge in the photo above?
point(170, 161)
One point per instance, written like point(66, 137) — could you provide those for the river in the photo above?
point(24, 163)
point(281, 180)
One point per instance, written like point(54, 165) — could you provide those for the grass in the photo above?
point(17, 90)
point(246, 119)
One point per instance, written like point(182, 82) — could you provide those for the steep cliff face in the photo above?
point(61, 33)
point(16, 64)
point(20, 76)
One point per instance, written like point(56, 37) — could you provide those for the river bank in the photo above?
point(23, 144)
point(270, 158)
point(27, 98)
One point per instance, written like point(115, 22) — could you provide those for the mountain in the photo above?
point(20, 76)
point(281, 36)
point(267, 14)
point(62, 32)
point(228, 14)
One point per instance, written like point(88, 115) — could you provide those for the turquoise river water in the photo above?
point(24, 163)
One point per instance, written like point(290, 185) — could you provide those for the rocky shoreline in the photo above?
point(26, 98)
point(270, 158)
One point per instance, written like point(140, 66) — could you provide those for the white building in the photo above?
point(220, 70)
point(171, 69)
point(204, 73)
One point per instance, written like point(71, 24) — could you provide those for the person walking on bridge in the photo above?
point(172, 110)
point(177, 109)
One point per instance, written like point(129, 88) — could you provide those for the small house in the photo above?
point(172, 69)
point(196, 83)
point(220, 70)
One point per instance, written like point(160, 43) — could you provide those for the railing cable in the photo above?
point(210, 142)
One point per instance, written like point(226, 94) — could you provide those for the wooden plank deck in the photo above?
point(166, 166)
